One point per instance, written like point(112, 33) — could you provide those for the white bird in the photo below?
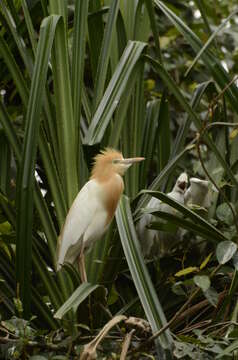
point(154, 241)
point(93, 208)
point(198, 193)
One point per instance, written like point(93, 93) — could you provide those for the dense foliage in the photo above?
point(151, 78)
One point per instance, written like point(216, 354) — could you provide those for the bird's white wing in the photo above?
point(78, 219)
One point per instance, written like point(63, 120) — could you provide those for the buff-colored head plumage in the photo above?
point(106, 163)
point(110, 162)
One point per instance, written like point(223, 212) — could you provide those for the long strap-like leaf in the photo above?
point(113, 92)
point(26, 176)
point(146, 291)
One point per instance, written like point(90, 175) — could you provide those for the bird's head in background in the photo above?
point(182, 182)
point(109, 162)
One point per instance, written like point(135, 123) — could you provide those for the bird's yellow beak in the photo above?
point(130, 161)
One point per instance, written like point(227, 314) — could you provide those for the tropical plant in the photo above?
point(151, 78)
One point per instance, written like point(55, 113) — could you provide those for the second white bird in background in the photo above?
point(154, 242)
point(199, 193)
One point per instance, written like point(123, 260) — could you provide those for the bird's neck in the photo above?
point(102, 175)
point(112, 189)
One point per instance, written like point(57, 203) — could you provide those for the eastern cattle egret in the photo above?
point(93, 208)
point(154, 242)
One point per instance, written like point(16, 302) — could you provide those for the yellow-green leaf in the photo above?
point(5, 227)
point(233, 134)
point(186, 271)
point(204, 263)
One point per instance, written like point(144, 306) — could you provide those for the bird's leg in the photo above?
point(81, 265)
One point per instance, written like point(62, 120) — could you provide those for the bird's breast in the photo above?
point(112, 190)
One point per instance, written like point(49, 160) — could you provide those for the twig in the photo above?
point(173, 320)
point(166, 326)
point(126, 344)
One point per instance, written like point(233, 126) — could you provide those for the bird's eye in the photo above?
point(115, 161)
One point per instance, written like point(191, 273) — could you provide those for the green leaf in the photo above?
point(79, 94)
point(151, 12)
point(95, 32)
point(133, 130)
point(197, 96)
point(228, 350)
point(209, 41)
point(202, 281)
point(15, 71)
point(164, 133)
point(149, 138)
point(29, 25)
point(203, 10)
point(53, 178)
point(26, 176)
point(105, 53)
point(224, 214)
point(113, 92)
point(225, 251)
point(205, 262)
point(145, 198)
point(186, 271)
point(198, 220)
point(78, 296)
point(235, 260)
point(17, 38)
point(178, 289)
point(210, 60)
point(64, 107)
point(194, 117)
point(212, 296)
point(121, 110)
point(139, 272)
point(176, 221)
